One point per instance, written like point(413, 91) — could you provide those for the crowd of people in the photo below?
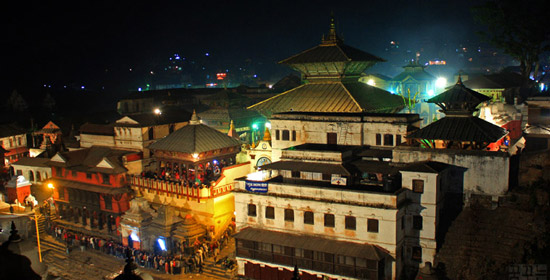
point(184, 261)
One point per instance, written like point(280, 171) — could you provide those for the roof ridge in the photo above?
point(352, 97)
point(273, 97)
point(298, 54)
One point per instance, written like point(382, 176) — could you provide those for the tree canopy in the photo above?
point(519, 28)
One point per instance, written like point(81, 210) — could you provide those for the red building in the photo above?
point(91, 190)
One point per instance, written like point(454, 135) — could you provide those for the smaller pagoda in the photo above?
point(459, 128)
point(195, 153)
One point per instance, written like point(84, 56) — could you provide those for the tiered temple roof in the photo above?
point(330, 73)
point(459, 125)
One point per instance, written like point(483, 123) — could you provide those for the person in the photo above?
point(200, 267)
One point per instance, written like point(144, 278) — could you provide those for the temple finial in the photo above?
point(194, 118)
point(459, 81)
point(331, 38)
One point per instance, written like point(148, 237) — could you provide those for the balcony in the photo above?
point(181, 190)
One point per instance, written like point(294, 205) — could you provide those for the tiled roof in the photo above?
point(101, 129)
point(311, 242)
point(331, 97)
point(417, 75)
point(468, 128)
point(88, 159)
point(32, 161)
point(194, 138)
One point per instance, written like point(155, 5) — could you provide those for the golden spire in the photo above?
point(331, 38)
point(232, 131)
point(194, 119)
point(267, 135)
point(459, 81)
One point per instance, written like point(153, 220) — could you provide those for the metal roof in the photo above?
point(313, 243)
point(468, 128)
point(326, 168)
point(331, 53)
point(194, 138)
point(87, 159)
point(459, 94)
point(32, 161)
point(335, 96)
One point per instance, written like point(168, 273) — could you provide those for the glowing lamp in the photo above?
point(431, 92)
point(440, 82)
point(255, 126)
point(195, 155)
point(157, 111)
point(134, 236)
point(268, 125)
point(371, 82)
point(162, 244)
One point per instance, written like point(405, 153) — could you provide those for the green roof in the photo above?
point(194, 138)
point(466, 128)
point(331, 96)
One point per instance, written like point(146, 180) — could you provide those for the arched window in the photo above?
point(31, 176)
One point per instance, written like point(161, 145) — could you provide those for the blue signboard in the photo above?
point(259, 187)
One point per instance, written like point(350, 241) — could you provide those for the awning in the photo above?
point(326, 168)
point(313, 243)
point(88, 187)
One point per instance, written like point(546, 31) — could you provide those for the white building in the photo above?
point(333, 204)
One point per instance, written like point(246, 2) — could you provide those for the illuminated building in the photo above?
point(14, 140)
point(496, 86)
point(330, 73)
point(190, 189)
point(332, 202)
point(91, 190)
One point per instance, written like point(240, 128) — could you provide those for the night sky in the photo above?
point(89, 42)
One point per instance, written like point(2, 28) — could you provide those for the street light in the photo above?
point(157, 111)
point(440, 82)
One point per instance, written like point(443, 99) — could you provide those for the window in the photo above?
point(108, 201)
point(388, 139)
point(252, 210)
point(289, 215)
point(277, 136)
point(372, 225)
point(74, 173)
point(308, 218)
point(378, 139)
point(150, 133)
point(295, 174)
point(286, 135)
point(269, 212)
point(416, 254)
point(19, 172)
point(105, 178)
point(58, 171)
point(417, 222)
point(294, 135)
point(397, 139)
point(329, 220)
point(88, 176)
point(19, 141)
point(418, 186)
point(350, 222)
point(171, 129)
point(11, 142)
point(326, 177)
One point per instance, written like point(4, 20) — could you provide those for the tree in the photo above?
point(410, 102)
point(518, 28)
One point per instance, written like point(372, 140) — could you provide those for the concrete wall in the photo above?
point(485, 173)
point(45, 172)
point(88, 140)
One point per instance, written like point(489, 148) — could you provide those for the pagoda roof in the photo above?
point(93, 159)
point(465, 128)
point(337, 52)
point(331, 96)
point(414, 70)
point(195, 138)
point(459, 94)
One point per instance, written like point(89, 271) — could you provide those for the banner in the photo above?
point(259, 187)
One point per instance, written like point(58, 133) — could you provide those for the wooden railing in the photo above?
point(180, 190)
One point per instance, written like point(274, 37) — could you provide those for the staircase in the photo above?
point(481, 242)
point(216, 271)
